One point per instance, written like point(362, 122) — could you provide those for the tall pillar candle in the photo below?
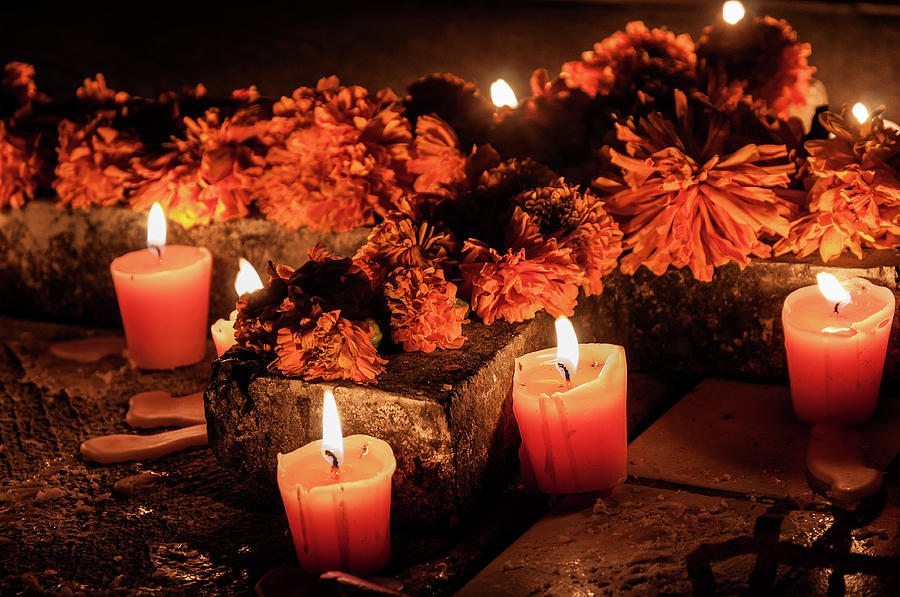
point(574, 432)
point(337, 497)
point(835, 337)
point(163, 295)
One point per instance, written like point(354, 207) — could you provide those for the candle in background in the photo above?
point(569, 403)
point(835, 336)
point(732, 12)
point(861, 113)
point(222, 330)
point(337, 497)
point(503, 95)
point(163, 294)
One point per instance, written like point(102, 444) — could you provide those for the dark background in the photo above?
point(145, 47)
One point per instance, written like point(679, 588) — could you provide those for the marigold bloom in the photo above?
point(687, 202)
point(533, 273)
point(424, 311)
point(635, 59)
point(762, 57)
point(21, 169)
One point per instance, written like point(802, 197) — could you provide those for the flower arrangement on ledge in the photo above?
point(651, 150)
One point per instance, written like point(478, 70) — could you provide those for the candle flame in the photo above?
point(566, 346)
point(832, 289)
point(247, 279)
point(503, 95)
point(860, 112)
point(732, 12)
point(156, 228)
point(332, 437)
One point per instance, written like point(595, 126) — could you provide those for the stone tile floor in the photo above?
point(704, 509)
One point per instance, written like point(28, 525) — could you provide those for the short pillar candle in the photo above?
point(574, 432)
point(835, 337)
point(338, 501)
point(163, 295)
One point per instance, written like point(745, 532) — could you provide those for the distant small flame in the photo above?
point(733, 11)
point(832, 290)
point(566, 346)
point(247, 279)
point(332, 437)
point(503, 95)
point(156, 228)
point(860, 112)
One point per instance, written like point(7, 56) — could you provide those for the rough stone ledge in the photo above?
point(729, 327)
point(447, 416)
point(54, 262)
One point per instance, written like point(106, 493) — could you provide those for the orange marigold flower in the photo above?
point(206, 175)
point(21, 169)
point(635, 59)
point(94, 163)
point(96, 90)
point(854, 192)
point(763, 57)
point(531, 274)
point(438, 163)
point(424, 311)
point(326, 346)
point(18, 90)
point(687, 199)
point(578, 221)
point(337, 158)
point(402, 241)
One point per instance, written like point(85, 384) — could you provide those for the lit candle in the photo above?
point(861, 113)
point(569, 403)
point(337, 497)
point(732, 12)
point(836, 336)
point(222, 330)
point(163, 294)
point(503, 95)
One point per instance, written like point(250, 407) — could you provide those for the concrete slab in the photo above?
point(743, 437)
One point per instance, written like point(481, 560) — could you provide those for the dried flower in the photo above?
point(18, 90)
point(21, 168)
point(650, 60)
point(93, 165)
point(531, 274)
point(456, 102)
point(403, 241)
point(854, 192)
point(762, 57)
point(425, 313)
point(688, 199)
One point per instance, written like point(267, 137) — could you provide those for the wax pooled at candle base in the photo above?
point(163, 295)
point(574, 434)
point(835, 352)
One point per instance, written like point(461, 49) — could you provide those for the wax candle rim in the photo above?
point(386, 471)
point(202, 252)
point(611, 351)
point(813, 290)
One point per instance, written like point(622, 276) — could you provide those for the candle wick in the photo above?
point(158, 250)
point(566, 373)
point(836, 305)
point(335, 467)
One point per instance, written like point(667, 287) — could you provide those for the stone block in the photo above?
point(447, 416)
point(728, 327)
point(54, 262)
